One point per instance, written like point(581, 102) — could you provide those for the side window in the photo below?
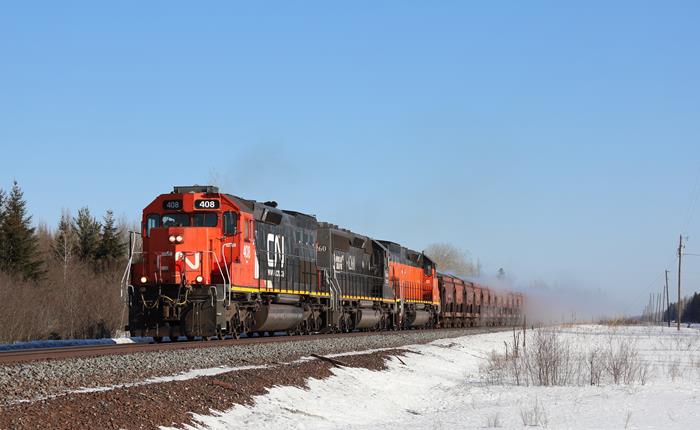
point(152, 221)
point(230, 222)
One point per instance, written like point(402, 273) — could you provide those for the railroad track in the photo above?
point(68, 352)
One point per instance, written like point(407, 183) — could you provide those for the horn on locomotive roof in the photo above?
point(209, 189)
point(271, 203)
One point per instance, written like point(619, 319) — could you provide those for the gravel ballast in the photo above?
point(37, 380)
point(174, 403)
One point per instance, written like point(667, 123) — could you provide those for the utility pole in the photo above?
point(678, 304)
point(667, 303)
point(656, 307)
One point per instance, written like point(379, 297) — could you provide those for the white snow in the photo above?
point(441, 386)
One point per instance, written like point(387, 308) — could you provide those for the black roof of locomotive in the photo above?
point(261, 211)
point(356, 240)
point(405, 255)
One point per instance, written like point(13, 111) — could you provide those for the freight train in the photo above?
point(214, 265)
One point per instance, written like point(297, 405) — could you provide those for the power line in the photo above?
point(642, 293)
point(694, 197)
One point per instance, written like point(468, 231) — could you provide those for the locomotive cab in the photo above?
point(189, 237)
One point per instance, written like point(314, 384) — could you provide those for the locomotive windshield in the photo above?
point(175, 220)
point(201, 219)
point(204, 219)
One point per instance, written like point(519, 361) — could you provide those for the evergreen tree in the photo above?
point(65, 242)
point(691, 313)
point(19, 254)
point(110, 249)
point(87, 230)
point(670, 313)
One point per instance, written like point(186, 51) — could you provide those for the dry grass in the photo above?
point(551, 360)
point(493, 421)
point(80, 305)
point(535, 416)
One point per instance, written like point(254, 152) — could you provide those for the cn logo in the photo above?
point(275, 250)
point(193, 265)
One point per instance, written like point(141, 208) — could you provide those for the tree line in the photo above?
point(690, 310)
point(63, 282)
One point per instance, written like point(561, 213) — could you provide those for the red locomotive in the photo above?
point(216, 265)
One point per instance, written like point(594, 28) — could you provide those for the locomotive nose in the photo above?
point(175, 238)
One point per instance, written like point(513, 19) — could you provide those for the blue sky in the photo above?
point(557, 140)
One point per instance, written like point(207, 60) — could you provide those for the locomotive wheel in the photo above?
point(190, 338)
point(236, 327)
point(157, 339)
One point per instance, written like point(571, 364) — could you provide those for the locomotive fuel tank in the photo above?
point(367, 318)
point(275, 317)
point(420, 318)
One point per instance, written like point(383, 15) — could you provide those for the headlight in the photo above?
point(199, 279)
point(171, 239)
point(144, 279)
point(178, 239)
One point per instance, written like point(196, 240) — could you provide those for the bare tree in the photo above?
point(451, 259)
point(65, 242)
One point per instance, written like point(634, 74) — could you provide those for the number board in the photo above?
point(172, 205)
point(207, 204)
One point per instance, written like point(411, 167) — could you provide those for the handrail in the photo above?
point(223, 255)
point(336, 295)
point(228, 271)
point(227, 287)
point(127, 270)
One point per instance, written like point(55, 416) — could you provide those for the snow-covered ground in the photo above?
point(442, 385)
